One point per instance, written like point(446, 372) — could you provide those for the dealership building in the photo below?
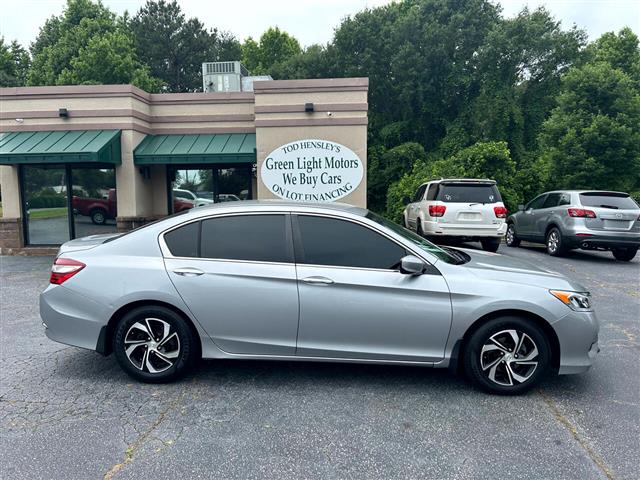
point(91, 159)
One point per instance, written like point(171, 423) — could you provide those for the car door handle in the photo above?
point(317, 281)
point(188, 272)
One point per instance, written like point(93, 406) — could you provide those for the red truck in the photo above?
point(100, 210)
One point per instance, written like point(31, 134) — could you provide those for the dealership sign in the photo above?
point(312, 171)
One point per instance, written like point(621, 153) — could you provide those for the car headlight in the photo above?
point(578, 301)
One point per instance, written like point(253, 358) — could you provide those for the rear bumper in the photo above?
point(578, 336)
point(70, 318)
point(598, 239)
point(465, 230)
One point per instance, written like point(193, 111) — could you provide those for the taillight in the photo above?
point(501, 212)
point(437, 210)
point(63, 269)
point(581, 212)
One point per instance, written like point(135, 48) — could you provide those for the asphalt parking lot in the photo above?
point(66, 413)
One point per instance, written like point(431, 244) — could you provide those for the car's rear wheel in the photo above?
point(154, 344)
point(419, 227)
point(490, 244)
point(555, 243)
point(507, 355)
point(625, 254)
point(98, 216)
point(511, 239)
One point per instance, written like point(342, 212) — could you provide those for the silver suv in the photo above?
point(567, 219)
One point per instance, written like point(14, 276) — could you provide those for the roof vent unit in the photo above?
point(223, 76)
point(247, 82)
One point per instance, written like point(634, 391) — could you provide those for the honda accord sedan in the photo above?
point(309, 282)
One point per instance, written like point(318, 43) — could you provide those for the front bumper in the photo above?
point(578, 336)
point(70, 318)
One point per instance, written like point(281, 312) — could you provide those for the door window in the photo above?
point(334, 242)
point(94, 201)
point(183, 241)
point(536, 203)
point(262, 238)
point(432, 192)
point(552, 200)
point(420, 193)
point(46, 202)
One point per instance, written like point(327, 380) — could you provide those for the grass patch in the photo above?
point(43, 213)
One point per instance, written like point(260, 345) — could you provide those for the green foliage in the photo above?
point(481, 160)
point(109, 59)
point(275, 47)
point(14, 64)
point(388, 166)
point(175, 47)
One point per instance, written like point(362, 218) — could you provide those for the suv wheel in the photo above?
point(625, 254)
point(154, 344)
point(555, 243)
point(507, 355)
point(419, 227)
point(511, 238)
point(490, 244)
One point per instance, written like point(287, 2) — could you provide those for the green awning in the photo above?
point(196, 149)
point(69, 146)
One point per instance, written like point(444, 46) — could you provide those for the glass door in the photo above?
point(45, 205)
point(94, 201)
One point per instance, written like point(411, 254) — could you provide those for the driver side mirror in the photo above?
point(412, 265)
point(406, 200)
point(521, 208)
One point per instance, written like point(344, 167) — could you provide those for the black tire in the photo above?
point(98, 216)
point(511, 239)
point(555, 243)
point(474, 363)
point(187, 346)
point(625, 254)
point(490, 244)
point(419, 227)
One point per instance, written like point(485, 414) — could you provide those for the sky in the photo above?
point(312, 21)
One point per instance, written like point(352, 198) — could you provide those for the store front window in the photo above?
point(63, 202)
point(195, 187)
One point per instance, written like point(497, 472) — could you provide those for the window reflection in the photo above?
point(45, 196)
point(94, 201)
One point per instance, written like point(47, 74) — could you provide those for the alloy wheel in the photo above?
point(510, 235)
point(509, 357)
point(553, 241)
point(152, 345)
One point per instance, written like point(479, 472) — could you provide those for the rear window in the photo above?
point(616, 201)
point(468, 193)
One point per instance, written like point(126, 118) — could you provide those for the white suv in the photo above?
point(465, 209)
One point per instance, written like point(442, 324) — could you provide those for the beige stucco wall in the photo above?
point(10, 192)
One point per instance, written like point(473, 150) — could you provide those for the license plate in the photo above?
point(617, 224)
point(469, 216)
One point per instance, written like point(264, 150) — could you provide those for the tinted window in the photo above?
point(607, 200)
point(565, 199)
point(433, 190)
point(183, 241)
point(328, 241)
point(419, 193)
point(551, 201)
point(468, 193)
point(536, 202)
point(246, 237)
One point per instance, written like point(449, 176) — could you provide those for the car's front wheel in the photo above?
point(511, 239)
point(507, 355)
point(625, 254)
point(490, 244)
point(154, 344)
point(98, 216)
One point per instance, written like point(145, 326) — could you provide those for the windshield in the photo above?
point(468, 193)
point(417, 240)
point(608, 200)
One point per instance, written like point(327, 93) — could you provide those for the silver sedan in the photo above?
point(286, 281)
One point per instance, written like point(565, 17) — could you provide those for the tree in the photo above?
point(109, 59)
point(275, 47)
point(592, 139)
point(14, 64)
point(62, 37)
point(175, 47)
point(481, 160)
